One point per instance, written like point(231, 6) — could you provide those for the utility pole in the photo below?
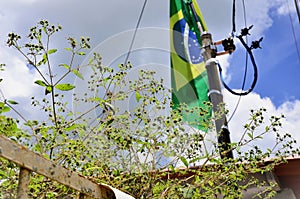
point(216, 97)
point(209, 54)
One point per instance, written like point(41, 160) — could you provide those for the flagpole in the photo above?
point(195, 16)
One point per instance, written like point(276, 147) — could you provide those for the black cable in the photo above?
point(135, 31)
point(245, 16)
point(249, 51)
point(293, 30)
point(246, 55)
point(245, 31)
point(133, 38)
point(297, 10)
point(243, 86)
point(233, 18)
point(129, 50)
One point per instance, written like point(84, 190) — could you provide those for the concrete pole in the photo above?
point(215, 95)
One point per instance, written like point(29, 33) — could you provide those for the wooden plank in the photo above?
point(36, 163)
point(24, 180)
point(83, 196)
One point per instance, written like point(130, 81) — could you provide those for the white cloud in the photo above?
point(18, 79)
point(224, 61)
point(285, 7)
point(258, 14)
point(291, 110)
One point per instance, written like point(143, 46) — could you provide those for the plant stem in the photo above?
point(30, 62)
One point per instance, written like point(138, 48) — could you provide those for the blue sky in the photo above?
point(282, 65)
point(105, 21)
point(278, 62)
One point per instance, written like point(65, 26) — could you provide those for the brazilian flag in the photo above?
point(189, 77)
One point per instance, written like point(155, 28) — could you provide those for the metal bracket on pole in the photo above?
point(228, 45)
point(214, 92)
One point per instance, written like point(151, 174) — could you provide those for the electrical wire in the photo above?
point(293, 30)
point(243, 86)
point(133, 37)
point(249, 51)
point(233, 17)
point(129, 50)
point(297, 9)
point(246, 54)
point(135, 31)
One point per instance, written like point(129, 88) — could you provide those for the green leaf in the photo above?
point(250, 135)
point(211, 183)
point(40, 82)
point(71, 127)
point(48, 90)
point(64, 87)
point(267, 128)
point(91, 60)
point(51, 51)
point(138, 96)
point(172, 168)
point(12, 102)
point(66, 66)
point(76, 72)
point(195, 160)
point(184, 161)
point(3, 108)
point(44, 60)
point(80, 53)
point(68, 49)
point(4, 174)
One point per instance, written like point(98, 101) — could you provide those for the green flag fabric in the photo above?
point(188, 74)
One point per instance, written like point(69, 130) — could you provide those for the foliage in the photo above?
point(145, 149)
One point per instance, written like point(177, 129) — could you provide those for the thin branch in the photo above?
point(31, 63)
point(71, 63)
point(15, 110)
point(80, 116)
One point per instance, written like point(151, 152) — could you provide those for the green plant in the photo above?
point(137, 149)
